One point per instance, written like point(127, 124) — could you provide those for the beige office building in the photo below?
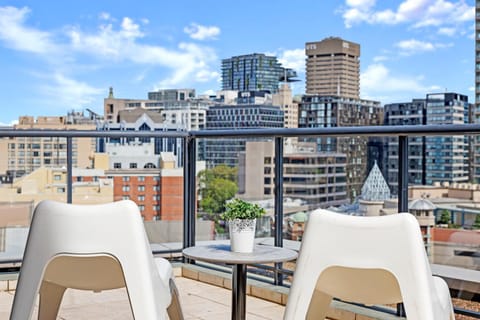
point(316, 178)
point(284, 100)
point(23, 155)
point(333, 68)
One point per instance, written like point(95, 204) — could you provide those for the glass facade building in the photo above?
point(226, 151)
point(430, 159)
point(406, 113)
point(254, 72)
point(447, 157)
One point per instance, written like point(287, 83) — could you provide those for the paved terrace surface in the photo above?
point(199, 301)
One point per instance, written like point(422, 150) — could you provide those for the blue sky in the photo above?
point(57, 56)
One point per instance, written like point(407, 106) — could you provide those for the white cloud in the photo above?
point(294, 59)
point(447, 31)
point(104, 16)
point(413, 46)
point(12, 123)
point(418, 13)
point(113, 42)
point(199, 32)
point(209, 92)
point(364, 4)
point(188, 63)
point(380, 58)
point(378, 83)
point(19, 37)
point(68, 93)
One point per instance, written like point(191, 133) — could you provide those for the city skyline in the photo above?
point(58, 57)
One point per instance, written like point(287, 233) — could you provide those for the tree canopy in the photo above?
point(217, 185)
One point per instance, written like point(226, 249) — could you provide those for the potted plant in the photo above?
point(241, 217)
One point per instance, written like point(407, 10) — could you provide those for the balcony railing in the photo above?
point(278, 135)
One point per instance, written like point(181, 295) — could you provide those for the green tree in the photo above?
point(444, 218)
point(476, 224)
point(217, 185)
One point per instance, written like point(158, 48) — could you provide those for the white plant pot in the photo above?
point(242, 235)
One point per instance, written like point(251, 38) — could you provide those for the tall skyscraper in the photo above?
point(254, 72)
point(333, 68)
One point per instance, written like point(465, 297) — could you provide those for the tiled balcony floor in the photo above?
point(199, 301)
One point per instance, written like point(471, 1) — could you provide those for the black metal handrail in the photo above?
point(278, 134)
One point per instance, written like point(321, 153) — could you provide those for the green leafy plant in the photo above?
point(240, 209)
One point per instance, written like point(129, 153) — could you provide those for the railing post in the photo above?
point(69, 169)
point(402, 174)
point(189, 192)
point(278, 203)
point(402, 190)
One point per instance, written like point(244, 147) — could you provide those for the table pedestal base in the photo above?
point(239, 291)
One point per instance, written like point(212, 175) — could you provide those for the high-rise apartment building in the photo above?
point(430, 159)
point(334, 111)
point(254, 72)
point(447, 156)
point(406, 113)
point(333, 68)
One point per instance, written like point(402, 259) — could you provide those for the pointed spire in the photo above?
point(110, 93)
point(375, 187)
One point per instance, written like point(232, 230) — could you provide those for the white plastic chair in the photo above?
point(92, 247)
point(368, 260)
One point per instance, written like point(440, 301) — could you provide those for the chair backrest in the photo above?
point(112, 235)
point(370, 260)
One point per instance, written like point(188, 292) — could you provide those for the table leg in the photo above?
point(239, 291)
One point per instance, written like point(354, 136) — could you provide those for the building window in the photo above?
point(57, 177)
point(61, 190)
point(126, 188)
point(117, 165)
point(79, 179)
point(125, 178)
point(141, 198)
point(156, 207)
point(156, 197)
point(125, 197)
point(141, 178)
point(141, 188)
point(156, 188)
point(133, 165)
point(141, 207)
point(156, 178)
